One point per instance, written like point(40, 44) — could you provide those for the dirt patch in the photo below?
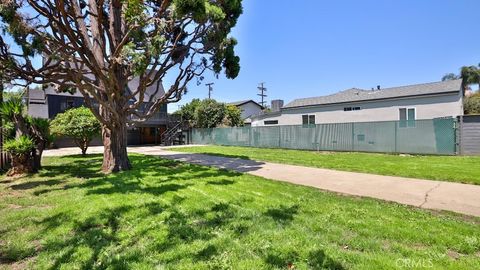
point(14, 206)
point(453, 254)
point(17, 265)
point(386, 245)
point(419, 246)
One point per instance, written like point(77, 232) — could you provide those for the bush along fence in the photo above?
point(433, 136)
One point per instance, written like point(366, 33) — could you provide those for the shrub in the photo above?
point(79, 124)
point(21, 146)
point(210, 113)
point(233, 116)
point(471, 104)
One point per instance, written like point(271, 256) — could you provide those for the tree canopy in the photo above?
point(209, 113)
point(98, 46)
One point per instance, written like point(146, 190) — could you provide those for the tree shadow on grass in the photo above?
point(135, 230)
point(222, 182)
point(287, 258)
point(99, 233)
point(282, 214)
point(35, 184)
point(317, 259)
point(159, 170)
point(77, 166)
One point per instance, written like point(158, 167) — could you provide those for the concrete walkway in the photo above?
point(460, 198)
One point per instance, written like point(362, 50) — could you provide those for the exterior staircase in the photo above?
point(176, 134)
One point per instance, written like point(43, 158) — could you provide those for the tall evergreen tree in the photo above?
point(98, 46)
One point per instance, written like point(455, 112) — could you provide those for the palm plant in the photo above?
point(12, 110)
point(470, 75)
point(37, 129)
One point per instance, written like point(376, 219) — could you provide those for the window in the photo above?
point(70, 103)
point(348, 109)
point(361, 137)
point(270, 122)
point(308, 119)
point(407, 117)
point(304, 119)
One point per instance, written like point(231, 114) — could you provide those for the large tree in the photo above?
point(98, 46)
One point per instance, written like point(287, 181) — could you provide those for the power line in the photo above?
point(210, 89)
point(262, 94)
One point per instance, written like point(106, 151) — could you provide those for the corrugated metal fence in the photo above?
point(469, 134)
point(435, 136)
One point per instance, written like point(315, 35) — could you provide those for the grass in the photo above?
point(170, 215)
point(463, 169)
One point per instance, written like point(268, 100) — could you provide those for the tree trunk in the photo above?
point(37, 156)
point(21, 164)
point(20, 126)
point(115, 156)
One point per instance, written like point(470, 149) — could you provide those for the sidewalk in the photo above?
point(428, 194)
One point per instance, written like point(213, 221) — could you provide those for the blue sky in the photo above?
point(315, 47)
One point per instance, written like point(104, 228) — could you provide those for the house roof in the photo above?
point(242, 102)
point(36, 95)
point(356, 95)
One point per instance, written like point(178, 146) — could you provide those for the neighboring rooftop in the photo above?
point(355, 94)
point(241, 102)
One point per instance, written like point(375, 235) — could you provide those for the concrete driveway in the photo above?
point(428, 194)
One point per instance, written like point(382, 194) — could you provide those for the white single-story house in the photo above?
point(412, 102)
point(249, 108)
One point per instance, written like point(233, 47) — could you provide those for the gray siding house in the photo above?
point(412, 102)
point(249, 108)
point(47, 103)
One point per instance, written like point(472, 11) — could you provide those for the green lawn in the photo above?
point(171, 215)
point(464, 169)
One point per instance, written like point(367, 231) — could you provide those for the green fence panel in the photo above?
point(374, 137)
point(268, 137)
point(435, 136)
point(297, 137)
point(334, 137)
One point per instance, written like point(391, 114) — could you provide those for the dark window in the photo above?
point(305, 119)
point(348, 109)
point(270, 122)
point(361, 137)
point(308, 119)
point(70, 103)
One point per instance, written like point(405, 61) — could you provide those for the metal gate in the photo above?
point(469, 134)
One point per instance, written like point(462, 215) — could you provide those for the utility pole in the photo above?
point(262, 94)
point(210, 89)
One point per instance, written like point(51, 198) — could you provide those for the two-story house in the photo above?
point(47, 103)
